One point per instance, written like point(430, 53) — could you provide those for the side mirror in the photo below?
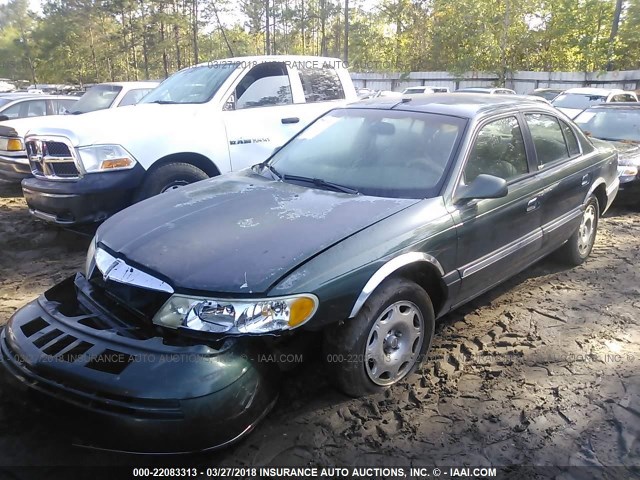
point(3, 118)
point(484, 186)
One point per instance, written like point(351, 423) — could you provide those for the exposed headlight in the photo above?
point(629, 160)
point(90, 262)
point(263, 315)
point(98, 158)
point(11, 144)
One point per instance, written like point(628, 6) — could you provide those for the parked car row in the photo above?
point(14, 164)
point(357, 224)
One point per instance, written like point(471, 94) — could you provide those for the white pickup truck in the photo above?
point(201, 122)
point(14, 165)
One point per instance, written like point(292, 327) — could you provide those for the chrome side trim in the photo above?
point(491, 258)
point(560, 221)
point(387, 269)
point(117, 270)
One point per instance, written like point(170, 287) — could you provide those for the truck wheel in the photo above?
point(169, 177)
point(384, 343)
point(580, 244)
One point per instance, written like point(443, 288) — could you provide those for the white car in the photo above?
point(575, 100)
point(202, 121)
point(14, 164)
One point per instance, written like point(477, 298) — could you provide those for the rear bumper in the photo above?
point(13, 170)
point(89, 199)
point(135, 395)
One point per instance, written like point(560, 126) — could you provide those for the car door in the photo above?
point(259, 114)
point(498, 237)
point(565, 172)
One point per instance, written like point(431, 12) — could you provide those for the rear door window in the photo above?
point(548, 138)
point(321, 84)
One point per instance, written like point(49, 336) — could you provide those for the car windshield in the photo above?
point(4, 101)
point(96, 98)
point(414, 90)
point(191, 85)
point(578, 100)
point(546, 94)
point(614, 124)
point(381, 153)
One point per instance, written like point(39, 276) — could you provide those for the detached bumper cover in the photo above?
point(138, 395)
point(89, 199)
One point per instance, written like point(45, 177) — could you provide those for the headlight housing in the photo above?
point(11, 144)
point(629, 160)
point(90, 262)
point(100, 158)
point(237, 316)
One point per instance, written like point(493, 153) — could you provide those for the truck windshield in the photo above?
point(381, 153)
point(191, 85)
point(96, 98)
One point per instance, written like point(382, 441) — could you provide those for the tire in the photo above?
point(365, 355)
point(169, 176)
point(580, 244)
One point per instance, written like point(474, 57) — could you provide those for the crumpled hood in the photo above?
point(627, 149)
point(115, 125)
point(239, 233)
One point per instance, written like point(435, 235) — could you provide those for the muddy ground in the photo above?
point(540, 371)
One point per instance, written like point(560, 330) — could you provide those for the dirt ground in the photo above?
point(540, 371)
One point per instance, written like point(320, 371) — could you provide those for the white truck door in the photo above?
point(260, 114)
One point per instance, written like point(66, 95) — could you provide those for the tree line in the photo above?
point(83, 41)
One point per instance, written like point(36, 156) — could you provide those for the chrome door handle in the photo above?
point(585, 180)
point(532, 204)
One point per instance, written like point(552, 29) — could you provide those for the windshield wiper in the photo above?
point(272, 169)
point(319, 182)
point(164, 102)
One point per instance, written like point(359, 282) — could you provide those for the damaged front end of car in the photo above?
point(111, 343)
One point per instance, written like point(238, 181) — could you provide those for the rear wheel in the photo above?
point(170, 177)
point(385, 342)
point(580, 244)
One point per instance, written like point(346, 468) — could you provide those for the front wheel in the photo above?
point(385, 342)
point(170, 177)
point(580, 244)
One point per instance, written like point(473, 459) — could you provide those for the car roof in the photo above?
point(270, 58)
point(595, 91)
point(140, 84)
point(32, 96)
point(467, 105)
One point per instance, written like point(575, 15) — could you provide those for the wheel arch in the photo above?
point(419, 267)
point(196, 159)
point(599, 190)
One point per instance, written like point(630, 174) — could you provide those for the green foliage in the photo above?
point(84, 41)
